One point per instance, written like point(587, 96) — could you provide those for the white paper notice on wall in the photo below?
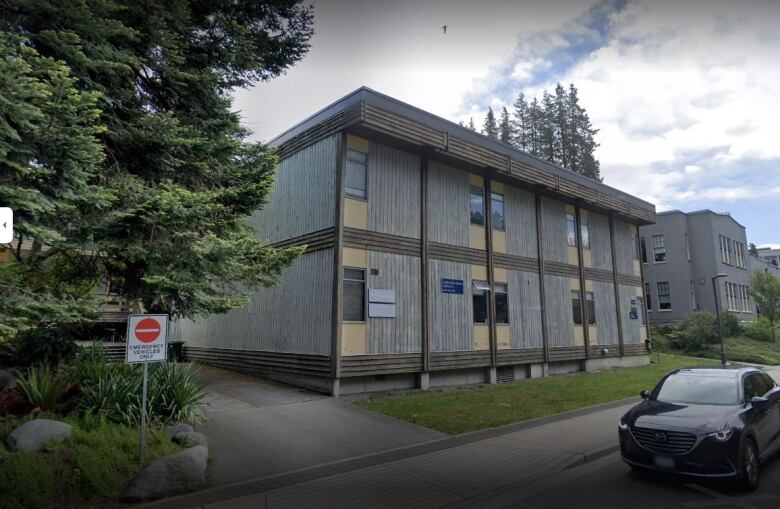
point(381, 303)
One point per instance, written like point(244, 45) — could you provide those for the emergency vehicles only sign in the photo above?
point(146, 338)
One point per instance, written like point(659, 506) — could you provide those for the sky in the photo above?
point(686, 94)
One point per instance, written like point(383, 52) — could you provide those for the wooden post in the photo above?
point(615, 283)
point(540, 254)
point(338, 244)
point(491, 279)
point(424, 286)
point(583, 306)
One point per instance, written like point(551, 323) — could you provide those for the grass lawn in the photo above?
point(91, 467)
point(461, 410)
point(738, 349)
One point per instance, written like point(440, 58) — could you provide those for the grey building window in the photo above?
point(497, 211)
point(354, 295)
point(356, 174)
point(502, 303)
point(477, 200)
point(585, 232)
point(576, 307)
point(479, 299)
point(571, 230)
point(590, 308)
point(664, 295)
point(659, 249)
point(643, 249)
point(649, 299)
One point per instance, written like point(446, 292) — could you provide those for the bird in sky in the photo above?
point(444, 27)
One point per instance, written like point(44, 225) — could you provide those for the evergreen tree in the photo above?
point(535, 124)
point(489, 128)
point(505, 132)
point(179, 178)
point(521, 124)
point(584, 159)
point(471, 124)
point(753, 250)
point(549, 132)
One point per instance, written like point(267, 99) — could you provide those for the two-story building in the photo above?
point(436, 256)
point(681, 253)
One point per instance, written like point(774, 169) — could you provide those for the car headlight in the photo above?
point(622, 425)
point(722, 435)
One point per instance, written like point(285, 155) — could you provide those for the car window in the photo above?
point(770, 383)
point(698, 390)
point(754, 386)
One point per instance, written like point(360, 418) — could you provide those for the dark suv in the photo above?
point(705, 422)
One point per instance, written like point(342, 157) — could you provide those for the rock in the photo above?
point(175, 429)
point(6, 380)
point(36, 434)
point(190, 438)
point(170, 475)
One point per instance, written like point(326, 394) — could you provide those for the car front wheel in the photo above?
point(750, 466)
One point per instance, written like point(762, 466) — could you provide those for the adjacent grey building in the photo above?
point(770, 255)
point(435, 256)
point(681, 253)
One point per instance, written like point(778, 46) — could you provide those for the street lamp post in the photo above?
point(717, 316)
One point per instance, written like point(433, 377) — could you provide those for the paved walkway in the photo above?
point(258, 428)
point(449, 472)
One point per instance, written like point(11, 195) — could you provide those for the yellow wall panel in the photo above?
point(477, 237)
point(500, 275)
point(354, 257)
point(593, 334)
point(479, 272)
point(481, 337)
point(579, 336)
point(497, 187)
point(353, 339)
point(503, 336)
point(476, 180)
point(357, 143)
point(571, 255)
point(587, 258)
point(499, 241)
point(355, 213)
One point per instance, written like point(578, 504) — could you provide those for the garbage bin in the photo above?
point(176, 351)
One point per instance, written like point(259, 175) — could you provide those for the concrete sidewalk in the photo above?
point(453, 471)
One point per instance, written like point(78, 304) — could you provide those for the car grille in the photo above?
point(675, 442)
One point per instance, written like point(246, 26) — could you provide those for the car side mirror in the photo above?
point(759, 402)
point(644, 394)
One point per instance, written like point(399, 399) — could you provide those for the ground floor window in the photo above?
point(576, 307)
point(502, 303)
point(647, 295)
point(590, 308)
point(664, 295)
point(479, 298)
point(354, 295)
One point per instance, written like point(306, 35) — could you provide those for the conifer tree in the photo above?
point(521, 124)
point(471, 124)
point(505, 134)
point(489, 128)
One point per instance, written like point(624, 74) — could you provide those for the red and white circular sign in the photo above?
point(147, 330)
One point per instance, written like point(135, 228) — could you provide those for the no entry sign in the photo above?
point(146, 338)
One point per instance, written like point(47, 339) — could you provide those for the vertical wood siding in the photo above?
point(525, 313)
point(451, 315)
point(625, 249)
point(606, 320)
point(292, 317)
point(600, 247)
point(520, 222)
point(402, 334)
point(303, 197)
point(631, 333)
point(448, 205)
point(393, 192)
point(554, 228)
point(558, 310)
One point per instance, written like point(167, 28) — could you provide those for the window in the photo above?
point(354, 294)
point(477, 199)
point(585, 232)
point(356, 174)
point(502, 303)
point(479, 298)
point(687, 247)
point(693, 297)
point(497, 211)
point(590, 308)
point(643, 249)
point(659, 249)
point(647, 294)
point(730, 251)
point(571, 230)
point(576, 307)
point(664, 296)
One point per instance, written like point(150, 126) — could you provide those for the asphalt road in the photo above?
point(608, 482)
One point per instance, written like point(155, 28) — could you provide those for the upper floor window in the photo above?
point(590, 308)
point(585, 232)
point(477, 200)
point(356, 174)
point(576, 307)
point(497, 211)
point(664, 295)
point(659, 249)
point(354, 294)
point(571, 230)
point(643, 249)
point(502, 303)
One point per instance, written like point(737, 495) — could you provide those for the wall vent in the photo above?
point(505, 374)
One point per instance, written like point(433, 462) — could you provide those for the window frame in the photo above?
point(502, 200)
point(481, 195)
point(571, 230)
point(590, 308)
point(484, 292)
point(659, 248)
point(643, 250)
point(648, 297)
point(502, 289)
point(364, 282)
point(585, 232)
point(576, 307)
point(365, 175)
point(667, 294)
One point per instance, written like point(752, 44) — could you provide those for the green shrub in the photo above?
point(177, 393)
point(760, 330)
point(42, 387)
point(695, 332)
point(41, 346)
point(730, 324)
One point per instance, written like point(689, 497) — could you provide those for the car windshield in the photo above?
point(699, 390)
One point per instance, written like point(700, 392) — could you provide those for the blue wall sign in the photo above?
point(452, 286)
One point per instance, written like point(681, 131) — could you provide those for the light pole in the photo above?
point(717, 316)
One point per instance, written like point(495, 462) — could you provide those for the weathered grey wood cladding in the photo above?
point(525, 309)
point(520, 223)
point(303, 196)
point(554, 248)
point(450, 314)
point(606, 319)
point(315, 241)
point(516, 262)
point(364, 239)
point(457, 254)
point(599, 275)
point(600, 244)
point(521, 356)
point(403, 333)
point(272, 321)
point(393, 192)
point(561, 269)
point(558, 307)
point(625, 247)
point(568, 353)
point(448, 205)
point(362, 365)
point(311, 365)
point(459, 359)
point(631, 328)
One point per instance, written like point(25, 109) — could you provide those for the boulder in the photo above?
point(6, 380)
point(175, 429)
point(36, 434)
point(170, 475)
point(190, 438)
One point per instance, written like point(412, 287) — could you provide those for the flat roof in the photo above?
point(703, 211)
point(366, 96)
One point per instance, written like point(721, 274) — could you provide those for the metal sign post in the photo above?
point(147, 341)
